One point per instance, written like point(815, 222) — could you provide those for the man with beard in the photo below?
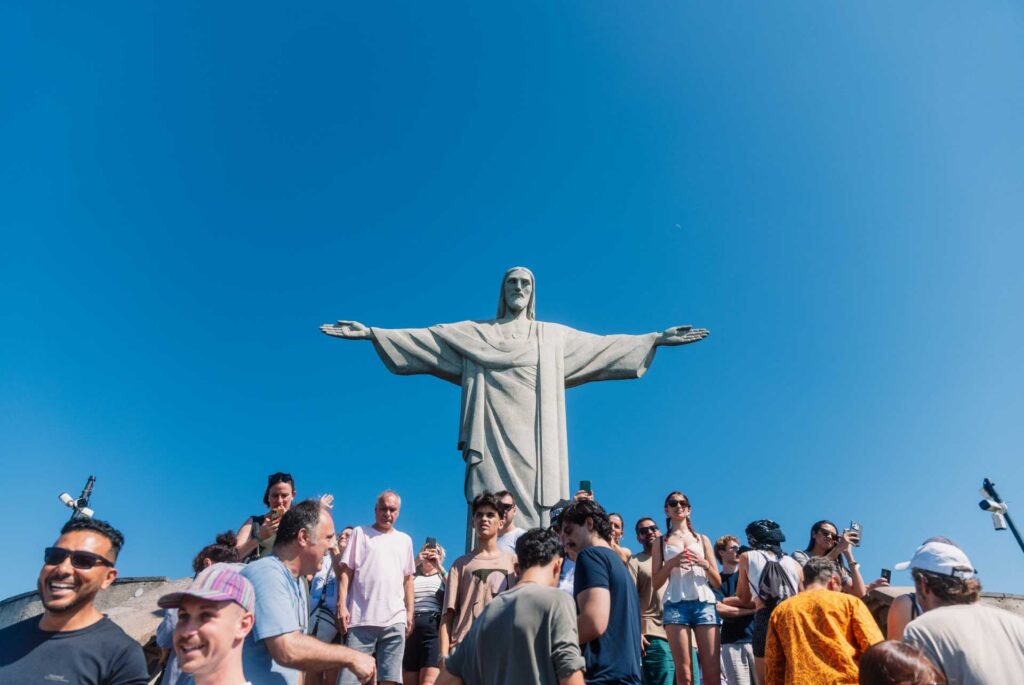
point(73, 642)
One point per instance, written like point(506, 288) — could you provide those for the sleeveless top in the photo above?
point(756, 561)
point(691, 584)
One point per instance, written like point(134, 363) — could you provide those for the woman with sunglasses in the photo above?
point(685, 560)
point(827, 542)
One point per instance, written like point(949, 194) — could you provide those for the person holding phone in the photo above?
point(685, 560)
point(422, 648)
point(827, 542)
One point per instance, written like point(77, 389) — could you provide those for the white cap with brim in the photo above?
point(940, 557)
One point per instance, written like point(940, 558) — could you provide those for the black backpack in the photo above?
point(775, 584)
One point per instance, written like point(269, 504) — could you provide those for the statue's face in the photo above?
point(518, 290)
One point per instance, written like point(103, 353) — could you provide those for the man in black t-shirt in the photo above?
point(73, 642)
point(606, 598)
point(737, 622)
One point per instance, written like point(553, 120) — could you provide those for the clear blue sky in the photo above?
point(189, 190)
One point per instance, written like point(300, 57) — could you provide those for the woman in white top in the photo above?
point(765, 538)
point(685, 560)
point(422, 650)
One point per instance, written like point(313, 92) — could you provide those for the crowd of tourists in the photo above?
point(291, 600)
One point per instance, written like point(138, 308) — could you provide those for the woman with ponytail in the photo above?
point(685, 560)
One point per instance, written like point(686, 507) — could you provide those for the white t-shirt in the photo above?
point(507, 542)
point(973, 644)
point(380, 563)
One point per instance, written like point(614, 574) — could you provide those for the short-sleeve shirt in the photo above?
point(281, 608)
point(734, 630)
point(472, 582)
point(818, 636)
point(614, 657)
point(100, 654)
point(651, 600)
point(507, 542)
point(973, 644)
point(535, 627)
point(380, 563)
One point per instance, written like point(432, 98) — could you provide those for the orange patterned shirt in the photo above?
point(817, 637)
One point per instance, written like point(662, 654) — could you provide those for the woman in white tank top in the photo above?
point(685, 560)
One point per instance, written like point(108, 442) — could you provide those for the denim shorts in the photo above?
point(690, 612)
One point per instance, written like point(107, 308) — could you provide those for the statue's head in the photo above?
point(517, 293)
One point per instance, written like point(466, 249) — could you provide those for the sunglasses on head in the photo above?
point(643, 530)
point(677, 503)
point(54, 556)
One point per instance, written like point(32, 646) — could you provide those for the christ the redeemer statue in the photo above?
point(513, 371)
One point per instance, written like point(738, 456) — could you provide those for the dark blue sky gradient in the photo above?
point(190, 189)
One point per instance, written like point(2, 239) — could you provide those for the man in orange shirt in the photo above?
point(818, 635)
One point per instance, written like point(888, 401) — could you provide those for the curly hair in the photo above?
point(488, 499)
point(578, 512)
point(537, 547)
point(103, 528)
point(223, 550)
point(949, 589)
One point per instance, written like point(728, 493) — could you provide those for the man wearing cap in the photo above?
point(73, 642)
point(214, 618)
point(972, 643)
point(277, 649)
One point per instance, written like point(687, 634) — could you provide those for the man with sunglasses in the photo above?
point(658, 667)
point(73, 642)
point(737, 621)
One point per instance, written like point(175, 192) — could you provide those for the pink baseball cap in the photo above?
point(218, 583)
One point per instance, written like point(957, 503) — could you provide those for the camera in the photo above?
point(998, 511)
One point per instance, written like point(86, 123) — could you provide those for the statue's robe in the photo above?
point(512, 432)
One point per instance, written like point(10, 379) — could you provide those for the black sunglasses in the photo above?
point(643, 530)
point(677, 503)
point(54, 556)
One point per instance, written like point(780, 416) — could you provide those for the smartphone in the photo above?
point(274, 514)
point(887, 574)
point(855, 528)
point(586, 487)
point(432, 543)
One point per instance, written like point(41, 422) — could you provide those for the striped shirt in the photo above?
point(427, 588)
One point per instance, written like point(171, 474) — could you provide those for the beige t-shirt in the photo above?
point(472, 582)
point(650, 600)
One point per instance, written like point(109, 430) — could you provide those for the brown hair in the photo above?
point(896, 663)
point(689, 519)
point(722, 543)
point(949, 589)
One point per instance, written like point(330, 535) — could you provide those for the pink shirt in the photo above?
point(380, 563)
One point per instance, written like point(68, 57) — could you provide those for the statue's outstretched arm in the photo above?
point(350, 330)
point(681, 335)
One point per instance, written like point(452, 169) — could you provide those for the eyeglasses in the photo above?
point(733, 548)
point(644, 530)
point(677, 503)
point(54, 556)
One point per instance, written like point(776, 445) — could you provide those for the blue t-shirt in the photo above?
point(615, 656)
point(734, 630)
point(280, 608)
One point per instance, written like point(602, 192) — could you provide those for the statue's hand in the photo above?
point(682, 335)
point(351, 330)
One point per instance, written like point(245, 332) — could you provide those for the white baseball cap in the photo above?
point(941, 556)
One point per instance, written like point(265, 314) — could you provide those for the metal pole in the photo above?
point(990, 487)
point(83, 499)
